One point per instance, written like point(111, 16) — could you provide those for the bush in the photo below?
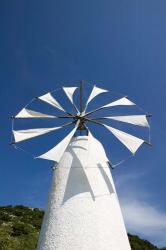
point(20, 228)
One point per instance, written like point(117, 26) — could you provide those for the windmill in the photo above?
point(83, 210)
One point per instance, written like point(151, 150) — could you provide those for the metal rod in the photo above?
point(147, 143)
point(71, 116)
point(81, 102)
point(75, 107)
point(90, 120)
point(97, 109)
point(81, 97)
point(64, 125)
point(99, 118)
point(67, 124)
point(93, 111)
point(65, 116)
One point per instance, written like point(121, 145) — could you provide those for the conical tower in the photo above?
point(83, 211)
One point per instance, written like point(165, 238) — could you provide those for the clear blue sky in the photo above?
point(121, 45)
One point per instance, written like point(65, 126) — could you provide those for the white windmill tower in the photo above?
point(83, 211)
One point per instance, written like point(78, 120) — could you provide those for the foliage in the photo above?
point(20, 226)
point(139, 244)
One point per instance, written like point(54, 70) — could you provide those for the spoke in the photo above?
point(28, 113)
point(69, 91)
point(138, 120)
point(93, 111)
point(99, 118)
point(81, 97)
point(103, 125)
point(95, 92)
point(22, 135)
point(48, 98)
point(71, 116)
point(55, 153)
point(124, 101)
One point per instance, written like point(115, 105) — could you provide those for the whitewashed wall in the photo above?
point(83, 211)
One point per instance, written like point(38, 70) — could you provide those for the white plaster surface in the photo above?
point(83, 211)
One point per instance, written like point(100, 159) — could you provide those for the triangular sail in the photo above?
point(131, 142)
point(120, 102)
point(95, 91)
point(27, 113)
point(51, 100)
point(56, 152)
point(22, 135)
point(69, 91)
point(139, 120)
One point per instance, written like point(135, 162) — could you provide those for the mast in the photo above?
point(81, 97)
point(81, 125)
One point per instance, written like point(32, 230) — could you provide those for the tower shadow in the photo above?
point(77, 181)
point(106, 179)
point(78, 177)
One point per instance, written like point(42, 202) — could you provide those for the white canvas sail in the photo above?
point(48, 98)
point(131, 142)
point(27, 113)
point(120, 102)
point(139, 120)
point(56, 152)
point(95, 91)
point(69, 91)
point(22, 135)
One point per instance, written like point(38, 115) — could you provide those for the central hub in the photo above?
point(81, 119)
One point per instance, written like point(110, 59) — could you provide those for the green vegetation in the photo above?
point(20, 226)
point(139, 244)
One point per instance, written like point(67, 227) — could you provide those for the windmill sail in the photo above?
point(131, 142)
point(69, 91)
point(120, 102)
point(56, 152)
point(139, 120)
point(22, 135)
point(51, 100)
point(27, 113)
point(95, 91)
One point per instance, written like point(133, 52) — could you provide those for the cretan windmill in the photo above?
point(83, 211)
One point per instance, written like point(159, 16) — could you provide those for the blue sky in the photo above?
point(119, 45)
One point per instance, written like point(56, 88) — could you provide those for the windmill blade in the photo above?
point(48, 98)
point(27, 113)
point(69, 91)
point(22, 135)
point(95, 91)
point(56, 152)
point(131, 142)
point(124, 101)
point(120, 102)
point(139, 120)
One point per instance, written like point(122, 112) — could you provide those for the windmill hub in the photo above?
point(81, 119)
